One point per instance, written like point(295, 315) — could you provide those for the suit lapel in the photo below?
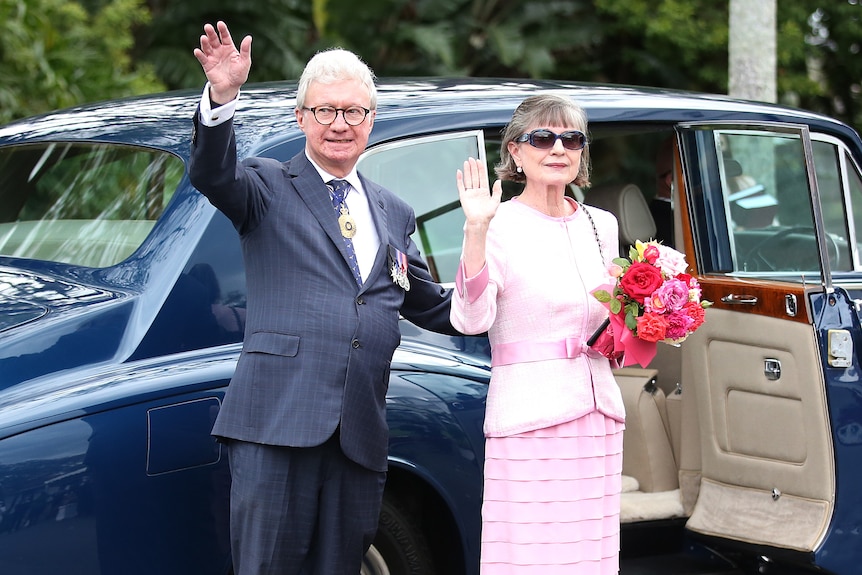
point(312, 190)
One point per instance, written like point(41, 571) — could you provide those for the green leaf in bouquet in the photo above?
point(602, 295)
point(631, 321)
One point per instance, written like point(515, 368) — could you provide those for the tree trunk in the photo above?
point(751, 49)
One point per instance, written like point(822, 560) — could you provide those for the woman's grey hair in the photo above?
point(543, 110)
point(336, 65)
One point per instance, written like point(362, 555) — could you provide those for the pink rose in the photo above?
point(640, 281)
point(670, 261)
point(678, 324)
point(671, 296)
point(694, 291)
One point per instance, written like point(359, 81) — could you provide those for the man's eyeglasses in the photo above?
point(545, 139)
point(325, 115)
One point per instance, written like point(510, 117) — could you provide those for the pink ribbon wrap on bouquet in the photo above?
point(634, 350)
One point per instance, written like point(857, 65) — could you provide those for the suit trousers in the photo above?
point(301, 510)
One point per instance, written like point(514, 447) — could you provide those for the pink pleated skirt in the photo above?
point(551, 502)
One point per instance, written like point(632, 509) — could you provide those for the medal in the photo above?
point(346, 223)
point(398, 269)
point(338, 190)
point(399, 277)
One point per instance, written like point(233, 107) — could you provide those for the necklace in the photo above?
point(595, 231)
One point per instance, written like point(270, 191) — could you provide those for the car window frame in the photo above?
point(402, 146)
point(847, 165)
point(694, 155)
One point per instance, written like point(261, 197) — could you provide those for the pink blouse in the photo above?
point(533, 298)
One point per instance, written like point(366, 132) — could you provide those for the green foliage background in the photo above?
point(56, 53)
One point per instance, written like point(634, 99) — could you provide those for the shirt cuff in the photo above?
point(471, 288)
point(213, 117)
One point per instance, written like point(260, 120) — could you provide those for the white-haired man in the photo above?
point(304, 416)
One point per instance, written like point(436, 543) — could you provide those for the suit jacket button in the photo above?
point(360, 301)
point(355, 344)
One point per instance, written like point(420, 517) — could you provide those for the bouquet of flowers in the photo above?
point(654, 300)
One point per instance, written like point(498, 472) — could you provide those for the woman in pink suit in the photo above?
point(554, 419)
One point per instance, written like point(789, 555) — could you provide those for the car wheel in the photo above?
point(399, 548)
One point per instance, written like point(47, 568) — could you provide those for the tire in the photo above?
point(399, 548)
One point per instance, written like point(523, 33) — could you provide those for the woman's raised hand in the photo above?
point(478, 201)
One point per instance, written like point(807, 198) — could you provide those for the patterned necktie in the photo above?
point(338, 189)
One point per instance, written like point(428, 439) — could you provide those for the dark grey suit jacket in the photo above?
point(317, 348)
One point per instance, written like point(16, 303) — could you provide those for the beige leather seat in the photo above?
point(647, 451)
point(627, 203)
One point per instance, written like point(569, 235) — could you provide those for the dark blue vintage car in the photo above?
point(122, 302)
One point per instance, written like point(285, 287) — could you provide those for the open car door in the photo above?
point(775, 348)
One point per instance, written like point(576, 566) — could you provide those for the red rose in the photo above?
point(640, 280)
point(652, 327)
point(651, 253)
point(696, 313)
point(685, 278)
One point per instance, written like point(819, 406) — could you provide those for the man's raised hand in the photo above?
point(226, 67)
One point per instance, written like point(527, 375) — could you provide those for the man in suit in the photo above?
point(304, 415)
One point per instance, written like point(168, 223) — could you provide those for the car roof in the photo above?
point(265, 112)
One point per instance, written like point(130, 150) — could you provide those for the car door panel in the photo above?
point(767, 472)
point(766, 449)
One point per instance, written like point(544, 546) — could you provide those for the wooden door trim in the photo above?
point(770, 297)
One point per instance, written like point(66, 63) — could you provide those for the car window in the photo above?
point(756, 202)
point(82, 204)
point(830, 184)
point(854, 191)
point(422, 172)
point(766, 190)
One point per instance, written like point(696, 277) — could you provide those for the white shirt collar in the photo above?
point(352, 177)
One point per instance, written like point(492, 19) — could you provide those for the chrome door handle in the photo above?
point(772, 369)
point(739, 299)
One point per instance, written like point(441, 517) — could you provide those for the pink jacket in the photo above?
point(533, 298)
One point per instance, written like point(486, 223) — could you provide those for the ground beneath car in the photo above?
point(660, 548)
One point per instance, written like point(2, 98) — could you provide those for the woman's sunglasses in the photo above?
point(545, 139)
